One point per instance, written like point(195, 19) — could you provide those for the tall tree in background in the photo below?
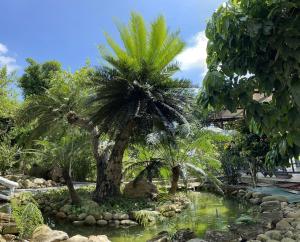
point(136, 91)
point(36, 79)
point(254, 46)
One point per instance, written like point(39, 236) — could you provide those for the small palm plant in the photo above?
point(136, 91)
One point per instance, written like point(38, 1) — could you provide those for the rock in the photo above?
point(97, 215)
point(128, 222)
point(248, 195)
point(77, 238)
point(275, 198)
point(289, 234)
point(124, 216)
point(255, 201)
point(45, 234)
point(90, 220)
point(78, 223)
point(116, 216)
point(295, 214)
point(66, 209)
point(39, 181)
point(258, 195)
point(107, 216)
point(9, 228)
point(56, 174)
point(288, 240)
point(183, 235)
point(82, 216)
point(283, 225)
point(196, 240)
point(28, 184)
point(270, 206)
point(61, 215)
point(274, 234)
point(98, 238)
point(160, 237)
point(262, 237)
point(8, 237)
point(140, 189)
point(272, 217)
point(283, 204)
point(102, 222)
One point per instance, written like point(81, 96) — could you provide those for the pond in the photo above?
point(207, 211)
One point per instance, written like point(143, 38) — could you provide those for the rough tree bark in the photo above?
point(110, 182)
point(175, 178)
point(109, 161)
point(73, 194)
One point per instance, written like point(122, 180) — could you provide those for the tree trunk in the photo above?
point(253, 172)
point(73, 194)
point(175, 179)
point(109, 179)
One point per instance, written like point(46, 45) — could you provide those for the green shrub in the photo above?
point(26, 214)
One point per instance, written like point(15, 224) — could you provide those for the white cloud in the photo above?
point(194, 55)
point(3, 49)
point(5, 60)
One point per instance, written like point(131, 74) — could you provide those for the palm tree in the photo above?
point(136, 91)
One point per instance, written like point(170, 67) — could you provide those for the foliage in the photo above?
point(26, 213)
point(253, 46)
point(196, 154)
point(71, 152)
point(137, 83)
point(8, 99)
point(246, 152)
point(146, 217)
point(8, 154)
point(37, 77)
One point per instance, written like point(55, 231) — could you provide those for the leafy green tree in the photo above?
point(8, 99)
point(254, 46)
point(36, 77)
point(136, 91)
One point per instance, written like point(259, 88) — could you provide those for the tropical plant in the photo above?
point(66, 152)
point(177, 156)
point(253, 47)
point(26, 213)
point(136, 91)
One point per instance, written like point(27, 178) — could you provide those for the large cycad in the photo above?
point(136, 91)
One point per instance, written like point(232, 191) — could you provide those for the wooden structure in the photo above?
point(218, 119)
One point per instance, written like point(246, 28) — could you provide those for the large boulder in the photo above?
point(183, 235)
point(45, 234)
point(98, 238)
point(77, 238)
point(270, 206)
point(275, 198)
point(56, 174)
point(140, 189)
point(90, 220)
point(160, 237)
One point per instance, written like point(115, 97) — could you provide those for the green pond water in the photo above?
point(207, 211)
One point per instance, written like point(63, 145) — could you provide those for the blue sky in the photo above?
point(70, 30)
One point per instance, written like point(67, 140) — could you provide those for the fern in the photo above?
point(26, 214)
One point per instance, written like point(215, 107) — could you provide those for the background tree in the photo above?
point(36, 77)
point(254, 46)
